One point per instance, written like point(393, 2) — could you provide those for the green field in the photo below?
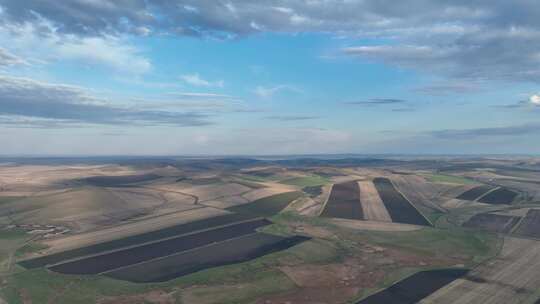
point(246, 282)
point(306, 181)
point(441, 178)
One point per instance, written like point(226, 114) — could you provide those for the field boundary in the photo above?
point(477, 200)
point(410, 203)
point(177, 253)
point(155, 241)
point(326, 201)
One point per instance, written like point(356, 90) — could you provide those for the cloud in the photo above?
point(8, 59)
point(267, 92)
point(516, 130)
point(377, 102)
point(448, 88)
point(44, 41)
point(28, 102)
point(534, 100)
point(285, 118)
point(490, 40)
point(196, 80)
point(193, 95)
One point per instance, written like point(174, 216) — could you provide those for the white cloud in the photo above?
point(198, 81)
point(109, 51)
point(41, 42)
point(535, 99)
point(267, 92)
point(8, 59)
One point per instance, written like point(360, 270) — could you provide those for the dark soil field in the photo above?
point(130, 256)
point(233, 251)
point(530, 225)
point(116, 181)
point(399, 208)
point(416, 287)
point(474, 193)
point(492, 222)
point(135, 239)
point(499, 196)
point(344, 202)
point(268, 206)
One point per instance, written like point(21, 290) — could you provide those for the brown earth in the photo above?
point(372, 205)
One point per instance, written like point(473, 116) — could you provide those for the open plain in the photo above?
point(267, 231)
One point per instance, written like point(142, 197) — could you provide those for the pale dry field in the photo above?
point(28, 180)
point(205, 192)
point(374, 226)
point(226, 202)
point(81, 209)
point(512, 277)
point(372, 205)
point(269, 190)
point(137, 227)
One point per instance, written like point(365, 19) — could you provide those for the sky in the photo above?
point(166, 77)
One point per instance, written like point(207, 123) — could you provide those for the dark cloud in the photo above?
point(403, 110)
point(518, 130)
point(292, 118)
point(28, 102)
point(473, 39)
point(438, 89)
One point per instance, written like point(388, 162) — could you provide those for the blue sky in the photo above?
point(280, 77)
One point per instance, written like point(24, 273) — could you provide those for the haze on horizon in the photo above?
point(98, 77)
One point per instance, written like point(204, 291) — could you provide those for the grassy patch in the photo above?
point(10, 241)
point(471, 246)
point(442, 178)
point(30, 248)
point(42, 286)
point(306, 181)
point(270, 282)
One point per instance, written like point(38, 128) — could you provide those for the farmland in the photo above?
point(499, 196)
point(492, 222)
point(399, 208)
point(299, 231)
point(442, 178)
point(344, 202)
point(474, 193)
point(233, 251)
point(133, 255)
point(530, 225)
point(416, 287)
point(372, 206)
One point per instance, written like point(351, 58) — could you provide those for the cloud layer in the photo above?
point(28, 102)
point(477, 39)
